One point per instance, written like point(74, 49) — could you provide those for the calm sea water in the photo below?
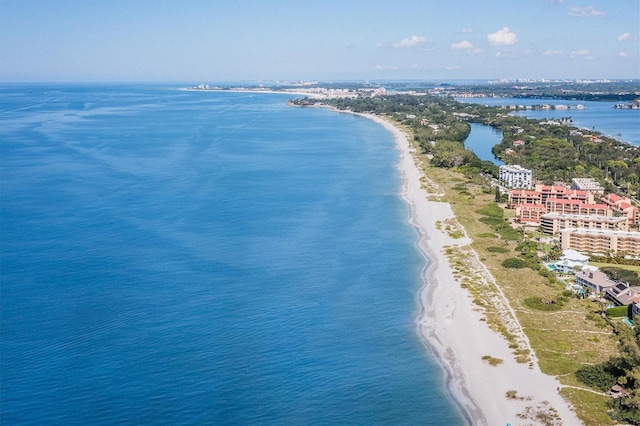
point(175, 257)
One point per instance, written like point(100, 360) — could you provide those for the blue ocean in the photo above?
point(176, 257)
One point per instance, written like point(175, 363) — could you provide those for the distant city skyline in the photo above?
point(209, 41)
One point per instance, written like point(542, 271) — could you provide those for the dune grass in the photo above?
point(564, 339)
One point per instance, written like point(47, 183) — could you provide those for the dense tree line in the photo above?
point(436, 130)
point(559, 152)
point(623, 370)
point(595, 91)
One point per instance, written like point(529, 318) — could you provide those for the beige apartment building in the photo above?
point(553, 223)
point(601, 241)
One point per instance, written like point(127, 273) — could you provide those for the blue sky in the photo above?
point(209, 41)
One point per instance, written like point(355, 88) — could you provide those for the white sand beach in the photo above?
point(454, 330)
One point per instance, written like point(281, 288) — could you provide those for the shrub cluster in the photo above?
point(600, 376)
point(618, 311)
point(544, 304)
point(514, 263)
point(494, 249)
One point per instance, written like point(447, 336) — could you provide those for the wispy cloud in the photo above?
point(411, 41)
point(467, 46)
point(585, 12)
point(623, 54)
point(466, 30)
point(382, 68)
point(552, 52)
point(452, 67)
point(464, 44)
point(504, 37)
point(624, 36)
point(583, 53)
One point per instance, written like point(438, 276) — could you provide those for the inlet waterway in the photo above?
point(481, 139)
point(620, 124)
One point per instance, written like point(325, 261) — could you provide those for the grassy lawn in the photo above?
point(564, 340)
point(635, 269)
point(590, 408)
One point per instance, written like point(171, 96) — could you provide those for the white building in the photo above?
point(586, 184)
point(571, 261)
point(515, 177)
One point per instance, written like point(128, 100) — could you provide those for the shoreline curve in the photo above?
point(454, 330)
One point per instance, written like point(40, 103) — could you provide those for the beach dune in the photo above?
point(453, 329)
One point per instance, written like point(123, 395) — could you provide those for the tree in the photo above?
point(555, 252)
point(449, 154)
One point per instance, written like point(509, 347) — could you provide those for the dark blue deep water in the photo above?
point(174, 257)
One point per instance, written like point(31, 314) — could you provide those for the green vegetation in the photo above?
point(514, 263)
point(601, 376)
point(493, 249)
point(491, 360)
point(622, 275)
point(544, 303)
point(558, 152)
point(623, 370)
point(493, 216)
point(594, 91)
point(513, 394)
point(602, 265)
point(617, 312)
point(591, 408)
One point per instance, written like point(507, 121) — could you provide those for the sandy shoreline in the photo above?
point(454, 330)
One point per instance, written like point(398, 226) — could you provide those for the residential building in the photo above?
point(621, 294)
point(571, 261)
point(635, 310)
point(515, 176)
point(577, 207)
point(541, 193)
point(587, 184)
point(524, 196)
point(622, 206)
point(601, 241)
point(594, 280)
point(564, 193)
point(553, 223)
point(530, 212)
